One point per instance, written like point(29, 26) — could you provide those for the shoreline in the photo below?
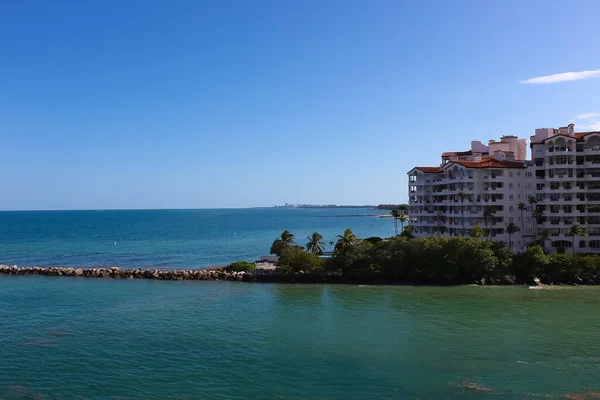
point(260, 275)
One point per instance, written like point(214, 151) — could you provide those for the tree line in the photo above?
point(443, 260)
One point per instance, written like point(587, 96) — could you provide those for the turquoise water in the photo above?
point(167, 238)
point(69, 338)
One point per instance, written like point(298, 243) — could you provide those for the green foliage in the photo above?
point(373, 240)
point(408, 232)
point(476, 232)
point(283, 242)
point(240, 266)
point(440, 259)
point(347, 239)
point(315, 244)
point(294, 259)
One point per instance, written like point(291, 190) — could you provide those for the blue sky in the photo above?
point(169, 104)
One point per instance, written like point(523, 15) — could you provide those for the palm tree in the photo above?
point(532, 202)
point(544, 236)
point(522, 207)
point(315, 244)
point(283, 242)
point(488, 213)
point(347, 239)
point(510, 229)
point(538, 218)
point(462, 196)
point(576, 230)
point(395, 214)
point(403, 218)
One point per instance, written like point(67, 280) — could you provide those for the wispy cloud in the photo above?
point(564, 77)
point(587, 116)
point(588, 121)
point(592, 126)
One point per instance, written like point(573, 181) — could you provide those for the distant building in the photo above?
point(563, 176)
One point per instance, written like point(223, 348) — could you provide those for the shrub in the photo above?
point(240, 266)
point(294, 259)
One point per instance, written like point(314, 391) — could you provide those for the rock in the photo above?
point(78, 272)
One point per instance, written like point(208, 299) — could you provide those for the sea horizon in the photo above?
point(168, 238)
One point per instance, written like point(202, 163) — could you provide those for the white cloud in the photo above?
point(587, 116)
point(592, 126)
point(564, 77)
point(588, 121)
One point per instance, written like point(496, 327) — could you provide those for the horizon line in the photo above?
point(170, 209)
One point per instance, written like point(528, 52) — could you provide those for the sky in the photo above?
point(110, 104)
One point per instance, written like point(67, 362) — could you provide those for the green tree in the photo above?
point(510, 229)
point(522, 207)
point(544, 236)
point(408, 232)
point(395, 215)
point(476, 232)
point(315, 244)
point(488, 217)
point(403, 218)
point(462, 196)
point(531, 263)
point(294, 259)
point(347, 239)
point(576, 230)
point(283, 242)
point(538, 218)
point(532, 202)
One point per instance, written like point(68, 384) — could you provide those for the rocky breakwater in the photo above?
point(212, 274)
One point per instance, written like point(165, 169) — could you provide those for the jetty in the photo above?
point(209, 274)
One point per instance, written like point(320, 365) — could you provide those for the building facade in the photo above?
point(485, 186)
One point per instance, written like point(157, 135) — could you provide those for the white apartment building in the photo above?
point(567, 172)
point(436, 209)
point(563, 176)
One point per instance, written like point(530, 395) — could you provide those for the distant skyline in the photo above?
point(220, 104)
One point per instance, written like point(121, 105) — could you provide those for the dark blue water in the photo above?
point(167, 238)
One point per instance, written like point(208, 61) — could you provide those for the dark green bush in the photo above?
point(240, 266)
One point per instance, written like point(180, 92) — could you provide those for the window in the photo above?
point(510, 196)
point(529, 174)
point(582, 243)
point(510, 208)
point(510, 185)
point(510, 219)
point(528, 186)
point(510, 174)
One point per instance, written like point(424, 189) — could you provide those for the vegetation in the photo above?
point(240, 266)
point(399, 215)
point(315, 244)
point(510, 229)
point(444, 260)
point(283, 242)
point(294, 259)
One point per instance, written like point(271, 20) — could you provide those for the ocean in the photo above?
point(71, 338)
point(96, 339)
point(169, 238)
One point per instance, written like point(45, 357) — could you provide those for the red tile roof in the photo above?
point(490, 163)
point(430, 169)
point(576, 135)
